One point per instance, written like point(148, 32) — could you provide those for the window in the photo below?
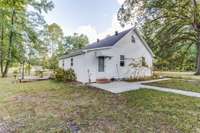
point(63, 63)
point(122, 60)
point(72, 62)
point(132, 39)
point(101, 64)
point(144, 64)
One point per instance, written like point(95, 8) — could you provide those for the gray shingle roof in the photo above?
point(72, 54)
point(108, 41)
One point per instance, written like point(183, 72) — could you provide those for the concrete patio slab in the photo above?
point(122, 86)
point(117, 87)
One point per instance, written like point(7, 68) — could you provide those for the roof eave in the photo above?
point(93, 49)
point(82, 52)
point(72, 55)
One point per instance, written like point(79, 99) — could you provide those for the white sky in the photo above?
point(104, 24)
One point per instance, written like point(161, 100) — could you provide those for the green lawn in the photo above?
point(178, 75)
point(182, 84)
point(50, 106)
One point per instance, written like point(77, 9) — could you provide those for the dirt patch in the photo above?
point(10, 127)
point(4, 127)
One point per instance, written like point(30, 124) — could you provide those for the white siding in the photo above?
point(86, 65)
point(60, 63)
point(79, 66)
point(130, 50)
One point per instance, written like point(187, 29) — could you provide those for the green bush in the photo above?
point(69, 75)
point(59, 74)
point(65, 75)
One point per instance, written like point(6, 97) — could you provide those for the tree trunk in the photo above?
point(22, 74)
point(1, 49)
point(29, 69)
point(198, 60)
point(10, 45)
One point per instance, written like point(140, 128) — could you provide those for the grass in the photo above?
point(178, 75)
point(49, 106)
point(181, 84)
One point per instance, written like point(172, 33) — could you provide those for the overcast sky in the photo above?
point(95, 18)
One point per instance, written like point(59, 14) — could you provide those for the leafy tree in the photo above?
point(177, 25)
point(76, 41)
point(51, 63)
point(55, 34)
point(174, 58)
point(17, 26)
point(53, 42)
point(64, 45)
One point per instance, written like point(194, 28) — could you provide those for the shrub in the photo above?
point(66, 76)
point(69, 75)
point(59, 74)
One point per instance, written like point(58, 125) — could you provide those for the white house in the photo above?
point(122, 55)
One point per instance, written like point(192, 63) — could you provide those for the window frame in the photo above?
point(63, 63)
point(122, 60)
point(133, 39)
point(101, 64)
point(144, 63)
point(72, 62)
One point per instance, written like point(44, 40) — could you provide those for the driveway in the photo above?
point(122, 86)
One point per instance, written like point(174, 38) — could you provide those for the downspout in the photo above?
point(118, 72)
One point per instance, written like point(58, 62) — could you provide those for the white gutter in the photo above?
point(86, 50)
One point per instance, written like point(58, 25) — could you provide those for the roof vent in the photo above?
point(98, 40)
point(116, 33)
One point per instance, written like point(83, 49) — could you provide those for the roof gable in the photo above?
point(144, 42)
point(108, 41)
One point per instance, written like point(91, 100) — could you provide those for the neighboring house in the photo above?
point(111, 58)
